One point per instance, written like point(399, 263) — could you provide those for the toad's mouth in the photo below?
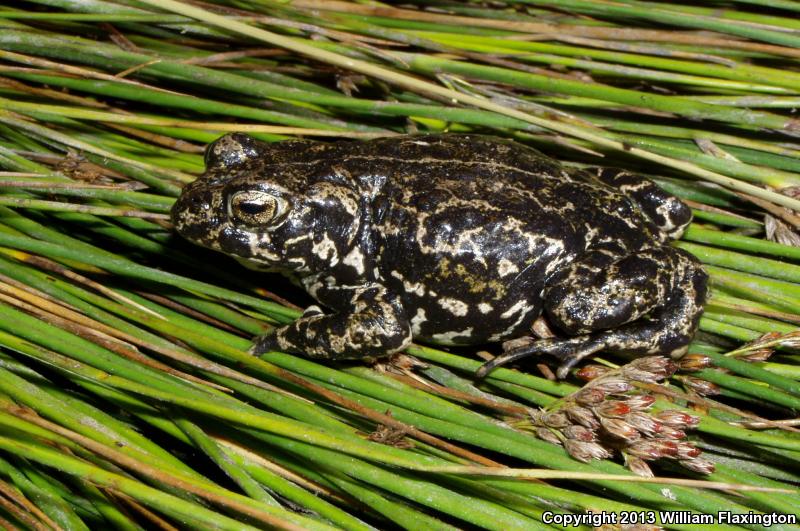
point(260, 252)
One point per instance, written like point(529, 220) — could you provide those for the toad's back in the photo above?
point(467, 229)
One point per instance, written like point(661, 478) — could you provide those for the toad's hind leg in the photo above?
point(648, 303)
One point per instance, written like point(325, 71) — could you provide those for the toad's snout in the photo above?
point(195, 214)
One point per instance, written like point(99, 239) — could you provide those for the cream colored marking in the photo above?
point(252, 242)
point(297, 265)
point(255, 264)
point(312, 310)
point(326, 189)
point(454, 306)
point(417, 288)
point(417, 321)
point(519, 306)
point(515, 225)
point(466, 242)
point(297, 239)
point(485, 308)
point(506, 267)
point(337, 343)
point(311, 284)
point(326, 250)
point(663, 211)
point(591, 233)
point(355, 260)
point(523, 309)
point(447, 337)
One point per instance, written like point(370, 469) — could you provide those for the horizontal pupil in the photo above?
point(252, 208)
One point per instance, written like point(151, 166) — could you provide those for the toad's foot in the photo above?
point(569, 351)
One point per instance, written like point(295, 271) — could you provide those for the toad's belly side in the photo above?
point(470, 285)
point(446, 316)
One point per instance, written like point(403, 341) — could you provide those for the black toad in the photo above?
point(450, 239)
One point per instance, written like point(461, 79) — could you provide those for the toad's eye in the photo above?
point(256, 208)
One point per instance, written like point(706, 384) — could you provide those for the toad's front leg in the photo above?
point(370, 322)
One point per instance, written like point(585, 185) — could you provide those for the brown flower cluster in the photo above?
point(610, 413)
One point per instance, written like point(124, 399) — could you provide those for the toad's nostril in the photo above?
point(198, 202)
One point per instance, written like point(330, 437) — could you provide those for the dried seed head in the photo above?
point(791, 191)
point(636, 375)
point(694, 362)
point(762, 354)
point(764, 340)
point(687, 450)
point(604, 417)
point(589, 396)
point(668, 432)
point(638, 466)
point(555, 419)
point(659, 366)
point(587, 373)
point(792, 340)
point(579, 433)
point(582, 416)
point(701, 387)
point(585, 451)
point(614, 386)
point(698, 464)
point(643, 422)
point(612, 409)
point(677, 419)
point(536, 415)
point(778, 231)
point(620, 429)
point(650, 449)
point(667, 448)
point(640, 402)
point(645, 449)
point(547, 434)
